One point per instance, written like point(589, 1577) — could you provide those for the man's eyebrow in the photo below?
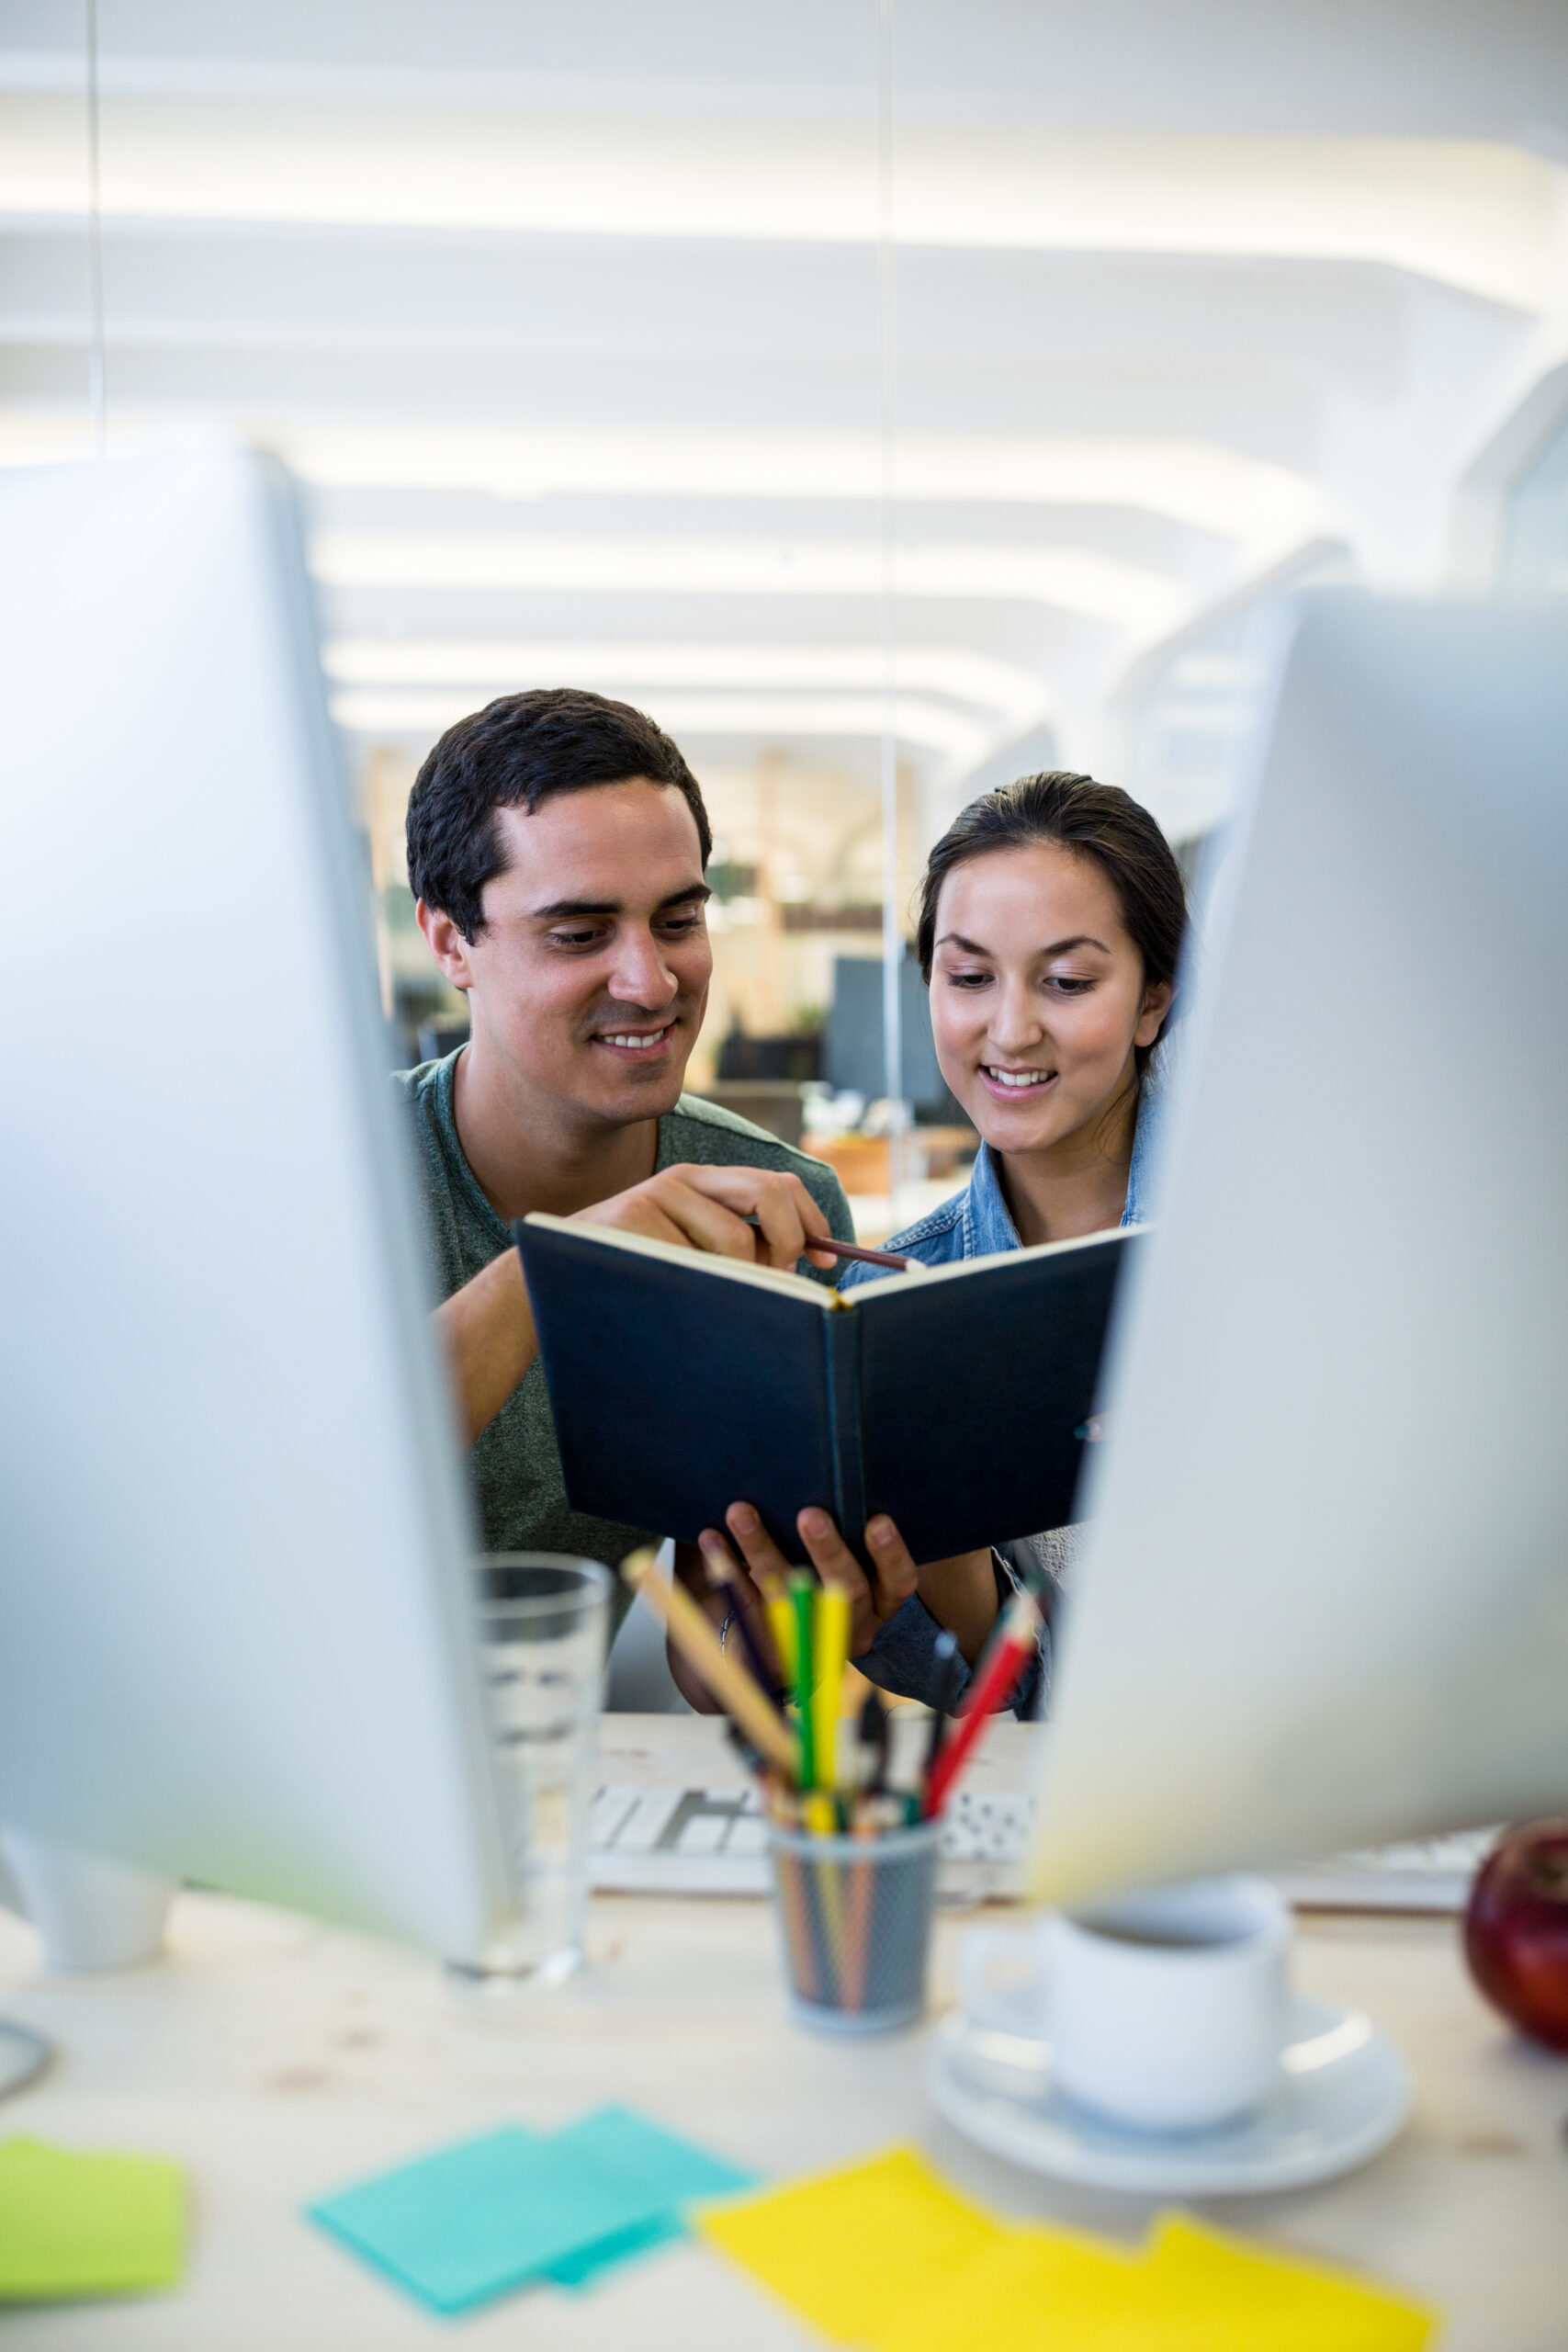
point(1058, 947)
point(559, 907)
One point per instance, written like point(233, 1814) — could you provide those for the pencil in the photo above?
point(781, 1624)
point(823, 1822)
point(781, 1620)
point(830, 1653)
point(724, 1572)
point(724, 1675)
point(859, 1901)
point(944, 1650)
point(998, 1673)
point(856, 1250)
point(790, 1880)
point(873, 1734)
point(801, 1590)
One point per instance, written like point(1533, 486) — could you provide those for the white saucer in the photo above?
point(1341, 2095)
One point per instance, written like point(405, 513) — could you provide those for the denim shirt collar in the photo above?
point(987, 1220)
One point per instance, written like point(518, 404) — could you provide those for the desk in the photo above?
point(278, 2059)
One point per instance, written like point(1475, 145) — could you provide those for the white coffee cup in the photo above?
point(90, 1910)
point(1163, 2011)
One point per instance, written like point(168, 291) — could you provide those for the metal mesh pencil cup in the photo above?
point(855, 1922)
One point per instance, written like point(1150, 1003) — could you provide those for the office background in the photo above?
point(891, 400)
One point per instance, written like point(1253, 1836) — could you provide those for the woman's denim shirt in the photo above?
point(977, 1223)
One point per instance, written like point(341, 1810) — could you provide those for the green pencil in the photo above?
point(802, 1593)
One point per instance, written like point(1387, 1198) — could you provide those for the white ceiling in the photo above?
point(568, 314)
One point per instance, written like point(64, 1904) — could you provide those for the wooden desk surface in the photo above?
point(279, 2059)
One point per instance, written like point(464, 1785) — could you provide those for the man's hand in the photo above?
point(960, 1592)
point(707, 1208)
point(488, 1328)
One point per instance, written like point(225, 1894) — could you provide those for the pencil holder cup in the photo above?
point(855, 1922)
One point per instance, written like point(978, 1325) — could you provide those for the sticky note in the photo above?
point(641, 2156)
point(884, 2256)
point(498, 2212)
point(1248, 2294)
point(1002, 2297)
point(75, 2224)
point(838, 2245)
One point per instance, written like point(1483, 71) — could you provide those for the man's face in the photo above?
point(590, 977)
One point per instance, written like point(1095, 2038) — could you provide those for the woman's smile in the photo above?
point(1010, 1084)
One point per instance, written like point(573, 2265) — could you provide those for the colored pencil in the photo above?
point(802, 1591)
point(994, 1682)
point(831, 1650)
point(781, 1624)
point(790, 1880)
point(724, 1677)
point(724, 1573)
point(875, 1735)
point(944, 1651)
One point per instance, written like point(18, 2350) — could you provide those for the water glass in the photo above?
point(543, 1621)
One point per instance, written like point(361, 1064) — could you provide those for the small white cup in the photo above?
point(90, 1911)
point(1163, 2011)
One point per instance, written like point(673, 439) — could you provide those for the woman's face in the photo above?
point(1037, 995)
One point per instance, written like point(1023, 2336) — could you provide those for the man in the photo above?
point(557, 843)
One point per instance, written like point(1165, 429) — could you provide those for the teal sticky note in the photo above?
point(469, 2223)
point(640, 2155)
point(589, 2263)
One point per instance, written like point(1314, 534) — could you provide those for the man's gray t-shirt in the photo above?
point(520, 1495)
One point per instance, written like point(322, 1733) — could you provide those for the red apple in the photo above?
point(1515, 1929)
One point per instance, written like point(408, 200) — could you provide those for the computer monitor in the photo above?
point(1324, 1599)
point(854, 1048)
point(234, 1628)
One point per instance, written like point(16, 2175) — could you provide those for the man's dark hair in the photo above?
point(1094, 820)
point(512, 754)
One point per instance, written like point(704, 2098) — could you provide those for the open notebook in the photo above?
point(956, 1398)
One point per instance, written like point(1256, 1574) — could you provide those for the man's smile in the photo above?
point(636, 1045)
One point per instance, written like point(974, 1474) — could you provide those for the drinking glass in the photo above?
point(543, 1617)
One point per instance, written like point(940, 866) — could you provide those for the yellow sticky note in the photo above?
point(1242, 2294)
point(844, 2248)
point(1025, 2289)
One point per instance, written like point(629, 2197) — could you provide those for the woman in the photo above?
point(1051, 926)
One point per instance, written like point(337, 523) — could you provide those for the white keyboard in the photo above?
point(667, 1840)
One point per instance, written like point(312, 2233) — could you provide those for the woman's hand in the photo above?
point(960, 1592)
point(872, 1599)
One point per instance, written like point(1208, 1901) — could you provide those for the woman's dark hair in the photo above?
point(510, 755)
point(1094, 820)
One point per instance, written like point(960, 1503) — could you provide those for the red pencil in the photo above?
point(993, 1686)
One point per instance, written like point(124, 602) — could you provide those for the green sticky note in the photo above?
point(87, 2224)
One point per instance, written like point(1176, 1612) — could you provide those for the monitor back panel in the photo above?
point(1325, 1603)
point(233, 1638)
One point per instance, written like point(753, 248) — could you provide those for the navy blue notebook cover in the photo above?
point(952, 1398)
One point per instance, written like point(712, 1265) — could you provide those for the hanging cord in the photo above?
point(892, 924)
point(96, 395)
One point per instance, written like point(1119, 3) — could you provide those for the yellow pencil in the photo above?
point(781, 1624)
point(830, 1643)
point(823, 1822)
point(724, 1675)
